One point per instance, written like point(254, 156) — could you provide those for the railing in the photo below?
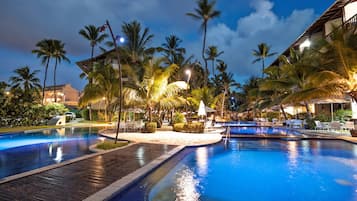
point(350, 23)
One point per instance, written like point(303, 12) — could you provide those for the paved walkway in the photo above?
point(170, 137)
point(81, 179)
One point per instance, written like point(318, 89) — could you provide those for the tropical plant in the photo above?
point(213, 53)
point(45, 53)
point(94, 36)
point(205, 94)
point(262, 53)
point(204, 13)
point(137, 41)
point(59, 54)
point(27, 82)
point(154, 90)
point(171, 49)
point(224, 82)
point(104, 88)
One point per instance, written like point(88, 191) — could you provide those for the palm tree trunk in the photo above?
point(44, 82)
point(203, 54)
point(263, 67)
point(54, 81)
point(309, 116)
point(224, 97)
point(91, 81)
point(213, 68)
point(283, 111)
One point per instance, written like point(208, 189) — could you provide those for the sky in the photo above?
point(243, 24)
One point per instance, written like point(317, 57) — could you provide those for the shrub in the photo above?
point(196, 127)
point(85, 114)
point(150, 127)
point(178, 118)
point(343, 115)
point(322, 117)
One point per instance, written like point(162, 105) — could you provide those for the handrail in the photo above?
point(351, 21)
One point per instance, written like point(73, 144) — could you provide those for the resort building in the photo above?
point(66, 94)
point(342, 13)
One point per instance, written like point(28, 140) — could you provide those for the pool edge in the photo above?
point(120, 185)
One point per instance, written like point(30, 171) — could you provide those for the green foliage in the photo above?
point(55, 109)
point(107, 145)
point(342, 115)
point(178, 118)
point(272, 115)
point(150, 127)
point(310, 123)
point(322, 117)
point(85, 114)
point(193, 127)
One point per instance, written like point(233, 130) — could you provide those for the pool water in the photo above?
point(254, 130)
point(20, 152)
point(269, 170)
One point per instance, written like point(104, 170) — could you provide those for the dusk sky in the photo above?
point(243, 24)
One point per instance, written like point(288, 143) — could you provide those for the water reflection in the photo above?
point(59, 155)
point(140, 156)
point(293, 153)
point(186, 186)
point(201, 158)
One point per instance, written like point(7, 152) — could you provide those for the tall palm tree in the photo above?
point(213, 53)
point(26, 81)
point(137, 41)
point(262, 53)
point(59, 54)
point(105, 88)
point(172, 50)
point(45, 53)
point(206, 94)
point(224, 83)
point(154, 90)
point(94, 36)
point(204, 13)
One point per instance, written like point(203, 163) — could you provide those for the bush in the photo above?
point(150, 127)
point(322, 117)
point(85, 114)
point(178, 118)
point(343, 115)
point(196, 127)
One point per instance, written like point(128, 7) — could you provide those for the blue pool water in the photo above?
point(269, 170)
point(20, 152)
point(254, 130)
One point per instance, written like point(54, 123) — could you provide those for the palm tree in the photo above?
point(205, 94)
point(154, 90)
point(26, 81)
point(45, 53)
point(137, 41)
point(59, 54)
point(224, 82)
point(212, 53)
point(172, 50)
point(204, 13)
point(105, 88)
point(94, 36)
point(261, 53)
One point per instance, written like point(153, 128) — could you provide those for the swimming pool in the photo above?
point(254, 170)
point(258, 130)
point(20, 152)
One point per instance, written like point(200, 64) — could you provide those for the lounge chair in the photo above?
point(319, 126)
point(348, 125)
point(335, 125)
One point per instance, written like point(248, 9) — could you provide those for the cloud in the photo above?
point(262, 25)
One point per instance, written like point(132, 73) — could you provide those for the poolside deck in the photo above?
point(81, 179)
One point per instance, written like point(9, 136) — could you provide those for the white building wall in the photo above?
point(349, 10)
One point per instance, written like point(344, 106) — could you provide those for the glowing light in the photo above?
point(305, 44)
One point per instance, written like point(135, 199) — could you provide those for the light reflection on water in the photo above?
point(186, 186)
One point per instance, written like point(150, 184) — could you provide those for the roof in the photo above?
point(57, 87)
point(85, 64)
point(333, 12)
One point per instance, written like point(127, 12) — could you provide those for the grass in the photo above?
point(106, 145)
point(24, 128)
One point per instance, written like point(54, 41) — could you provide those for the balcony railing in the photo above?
point(350, 23)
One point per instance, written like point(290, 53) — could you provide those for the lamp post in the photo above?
point(120, 74)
